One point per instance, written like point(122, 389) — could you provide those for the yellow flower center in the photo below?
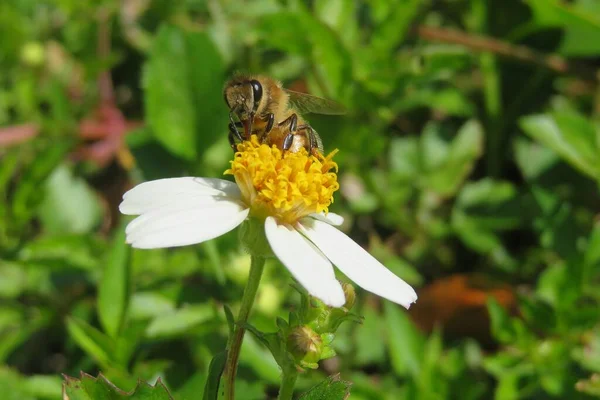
point(284, 185)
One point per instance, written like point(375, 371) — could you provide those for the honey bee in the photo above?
point(264, 108)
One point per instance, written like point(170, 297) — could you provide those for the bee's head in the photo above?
point(243, 97)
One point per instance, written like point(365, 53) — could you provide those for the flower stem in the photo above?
point(235, 344)
point(288, 381)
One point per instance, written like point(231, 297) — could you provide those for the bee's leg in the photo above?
point(292, 120)
point(287, 141)
point(314, 142)
point(270, 122)
point(234, 129)
point(234, 134)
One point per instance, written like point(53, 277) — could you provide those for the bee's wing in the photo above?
point(306, 103)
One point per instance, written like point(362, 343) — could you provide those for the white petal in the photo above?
point(330, 218)
point(357, 263)
point(172, 226)
point(153, 194)
point(305, 263)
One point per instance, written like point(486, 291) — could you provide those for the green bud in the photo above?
point(350, 294)
point(305, 345)
point(253, 239)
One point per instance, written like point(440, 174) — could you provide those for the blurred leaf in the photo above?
point(393, 24)
point(257, 357)
point(300, 33)
point(149, 304)
point(18, 324)
point(369, 351)
point(113, 291)
point(69, 205)
point(406, 344)
point(179, 321)
point(579, 19)
point(63, 251)
point(215, 370)
point(591, 259)
point(27, 194)
point(502, 327)
point(404, 157)
point(483, 209)
point(13, 279)
point(533, 159)
point(89, 388)
point(181, 97)
point(459, 160)
point(333, 388)
point(12, 386)
point(570, 135)
point(91, 340)
point(450, 101)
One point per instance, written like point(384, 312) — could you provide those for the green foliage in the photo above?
point(462, 155)
point(90, 388)
point(333, 388)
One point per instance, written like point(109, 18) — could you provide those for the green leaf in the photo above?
point(570, 135)
point(63, 251)
point(406, 343)
point(91, 340)
point(113, 292)
point(446, 177)
point(302, 34)
point(333, 388)
point(89, 388)
point(483, 209)
point(69, 204)
point(11, 386)
point(180, 321)
point(183, 80)
point(27, 194)
point(146, 305)
point(18, 324)
point(579, 19)
point(215, 371)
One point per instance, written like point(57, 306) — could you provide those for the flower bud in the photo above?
point(350, 295)
point(305, 345)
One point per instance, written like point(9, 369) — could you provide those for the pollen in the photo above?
point(282, 184)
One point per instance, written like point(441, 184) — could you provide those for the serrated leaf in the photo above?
point(333, 388)
point(113, 292)
point(89, 388)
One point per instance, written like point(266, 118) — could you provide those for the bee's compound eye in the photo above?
point(257, 92)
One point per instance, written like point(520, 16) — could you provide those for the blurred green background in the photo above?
point(469, 165)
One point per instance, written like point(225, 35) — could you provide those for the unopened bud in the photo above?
point(350, 295)
point(305, 345)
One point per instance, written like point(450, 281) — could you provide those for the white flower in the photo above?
point(184, 211)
